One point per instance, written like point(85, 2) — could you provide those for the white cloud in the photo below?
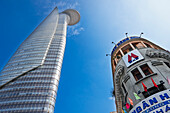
point(112, 98)
point(61, 4)
point(74, 30)
point(65, 5)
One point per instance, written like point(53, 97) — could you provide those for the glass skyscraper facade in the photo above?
point(29, 81)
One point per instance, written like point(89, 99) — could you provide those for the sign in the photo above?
point(132, 57)
point(157, 103)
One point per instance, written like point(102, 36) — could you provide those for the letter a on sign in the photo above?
point(132, 57)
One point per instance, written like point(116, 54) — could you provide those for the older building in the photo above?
point(141, 76)
point(29, 81)
point(113, 112)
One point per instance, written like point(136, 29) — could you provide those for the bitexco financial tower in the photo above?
point(29, 81)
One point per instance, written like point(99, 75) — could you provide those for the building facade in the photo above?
point(141, 76)
point(29, 81)
point(113, 112)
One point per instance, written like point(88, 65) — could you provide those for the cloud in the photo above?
point(74, 30)
point(65, 5)
point(61, 4)
point(112, 98)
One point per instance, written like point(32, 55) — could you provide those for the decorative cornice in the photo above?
point(126, 78)
point(158, 54)
point(156, 63)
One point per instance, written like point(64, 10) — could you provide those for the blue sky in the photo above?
point(86, 77)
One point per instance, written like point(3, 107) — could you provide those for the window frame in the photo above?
point(144, 68)
point(134, 75)
point(142, 72)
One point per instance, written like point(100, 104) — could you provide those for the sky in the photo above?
point(86, 78)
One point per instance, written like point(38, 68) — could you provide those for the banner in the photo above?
point(157, 103)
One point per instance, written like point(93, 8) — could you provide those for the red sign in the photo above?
point(130, 57)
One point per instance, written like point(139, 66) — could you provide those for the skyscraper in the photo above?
point(141, 76)
point(29, 81)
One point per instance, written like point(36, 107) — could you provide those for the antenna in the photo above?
point(113, 43)
point(126, 35)
point(141, 34)
point(108, 54)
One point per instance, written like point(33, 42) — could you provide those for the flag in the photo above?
point(127, 105)
point(136, 96)
point(145, 88)
point(168, 80)
point(131, 102)
point(154, 82)
point(124, 111)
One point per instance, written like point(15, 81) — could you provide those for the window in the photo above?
point(138, 45)
point(130, 49)
point(118, 56)
point(124, 89)
point(146, 70)
point(127, 49)
point(134, 44)
point(136, 74)
point(147, 45)
point(125, 52)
